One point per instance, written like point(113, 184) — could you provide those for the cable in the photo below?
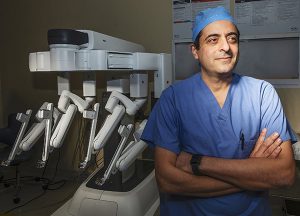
point(80, 138)
point(51, 182)
point(96, 160)
point(13, 179)
point(62, 182)
point(56, 167)
point(99, 159)
point(79, 125)
point(77, 141)
point(12, 209)
point(47, 182)
point(55, 203)
point(45, 167)
point(83, 141)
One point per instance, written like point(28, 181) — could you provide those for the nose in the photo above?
point(224, 45)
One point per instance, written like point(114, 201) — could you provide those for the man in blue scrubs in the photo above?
point(221, 140)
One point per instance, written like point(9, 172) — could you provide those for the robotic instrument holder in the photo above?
point(90, 52)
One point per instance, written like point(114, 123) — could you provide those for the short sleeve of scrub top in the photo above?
point(272, 115)
point(162, 126)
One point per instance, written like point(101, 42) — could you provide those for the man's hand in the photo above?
point(183, 162)
point(267, 147)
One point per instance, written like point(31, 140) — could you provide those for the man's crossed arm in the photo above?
point(270, 165)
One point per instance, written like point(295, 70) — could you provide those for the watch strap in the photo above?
point(195, 163)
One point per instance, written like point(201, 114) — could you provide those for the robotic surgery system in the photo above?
point(53, 122)
point(125, 185)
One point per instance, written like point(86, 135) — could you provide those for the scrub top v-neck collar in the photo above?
point(220, 112)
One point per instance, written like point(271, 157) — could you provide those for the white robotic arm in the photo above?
point(63, 126)
point(88, 51)
point(68, 112)
point(45, 116)
point(34, 132)
point(133, 150)
point(117, 111)
point(131, 106)
point(109, 126)
point(24, 119)
point(67, 97)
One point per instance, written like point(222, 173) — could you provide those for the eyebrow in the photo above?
point(218, 35)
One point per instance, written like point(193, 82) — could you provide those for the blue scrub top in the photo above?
point(188, 118)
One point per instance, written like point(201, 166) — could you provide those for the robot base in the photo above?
point(114, 198)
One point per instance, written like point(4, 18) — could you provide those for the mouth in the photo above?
point(224, 58)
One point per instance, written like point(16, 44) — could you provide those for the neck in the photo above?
point(217, 82)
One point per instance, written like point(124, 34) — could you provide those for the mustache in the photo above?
point(227, 54)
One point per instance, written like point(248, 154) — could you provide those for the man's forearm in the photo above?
point(253, 173)
point(174, 180)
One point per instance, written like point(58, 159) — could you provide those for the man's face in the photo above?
point(218, 52)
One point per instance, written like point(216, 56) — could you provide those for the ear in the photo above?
point(194, 51)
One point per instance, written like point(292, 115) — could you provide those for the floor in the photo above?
point(36, 200)
point(38, 196)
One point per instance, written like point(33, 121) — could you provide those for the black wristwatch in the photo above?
point(195, 162)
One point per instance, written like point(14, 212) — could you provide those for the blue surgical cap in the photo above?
point(208, 16)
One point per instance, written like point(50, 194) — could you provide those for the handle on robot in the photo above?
point(63, 126)
point(24, 118)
